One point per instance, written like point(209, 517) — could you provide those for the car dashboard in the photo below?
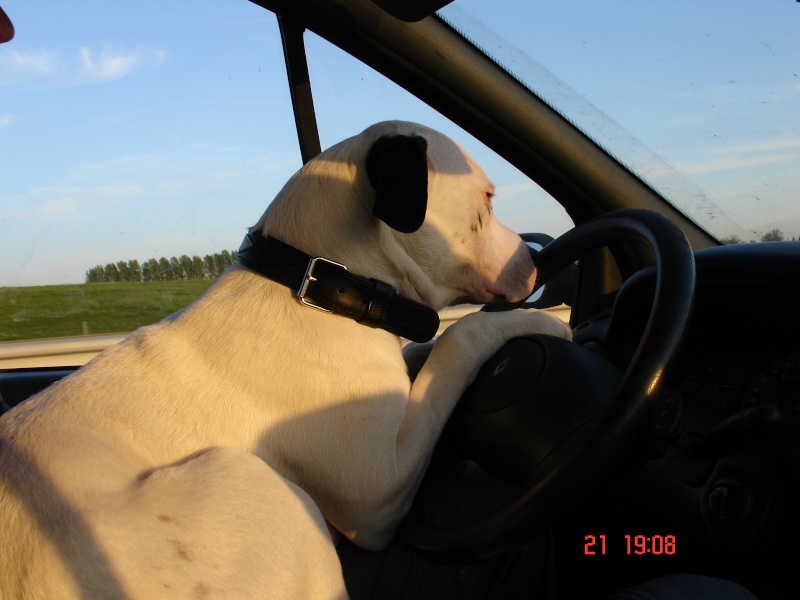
point(712, 484)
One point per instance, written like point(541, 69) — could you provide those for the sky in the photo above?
point(160, 128)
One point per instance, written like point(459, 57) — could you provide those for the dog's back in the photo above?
point(254, 535)
point(172, 464)
point(86, 514)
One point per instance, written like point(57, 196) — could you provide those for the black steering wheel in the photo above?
point(551, 416)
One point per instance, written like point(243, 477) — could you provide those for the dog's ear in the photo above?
point(397, 167)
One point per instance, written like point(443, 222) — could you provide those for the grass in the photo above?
point(67, 310)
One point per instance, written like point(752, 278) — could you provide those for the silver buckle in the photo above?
point(309, 277)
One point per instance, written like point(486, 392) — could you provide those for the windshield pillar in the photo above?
point(294, 52)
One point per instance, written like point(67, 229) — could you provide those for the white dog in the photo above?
point(204, 454)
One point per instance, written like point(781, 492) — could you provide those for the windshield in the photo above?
point(700, 99)
point(135, 151)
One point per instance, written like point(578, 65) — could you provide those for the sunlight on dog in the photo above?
point(207, 453)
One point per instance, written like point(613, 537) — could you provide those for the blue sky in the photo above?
point(148, 129)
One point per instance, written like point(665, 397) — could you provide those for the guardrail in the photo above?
point(55, 352)
point(76, 351)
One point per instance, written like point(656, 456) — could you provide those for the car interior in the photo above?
point(666, 439)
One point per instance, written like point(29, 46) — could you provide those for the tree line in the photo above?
point(776, 235)
point(163, 269)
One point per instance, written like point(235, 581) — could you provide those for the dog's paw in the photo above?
point(492, 329)
point(539, 321)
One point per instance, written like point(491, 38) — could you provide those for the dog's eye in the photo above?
point(489, 196)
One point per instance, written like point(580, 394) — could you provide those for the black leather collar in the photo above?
point(328, 286)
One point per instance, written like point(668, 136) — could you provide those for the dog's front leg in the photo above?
point(457, 357)
point(453, 364)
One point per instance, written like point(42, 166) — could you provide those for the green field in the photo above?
point(67, 310)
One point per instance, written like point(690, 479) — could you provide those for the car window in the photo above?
point(700, 99)
point(349, 96)
point(137, 144)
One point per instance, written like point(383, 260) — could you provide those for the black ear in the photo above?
point(397, 167)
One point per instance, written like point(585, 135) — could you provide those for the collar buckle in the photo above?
point(308, 278)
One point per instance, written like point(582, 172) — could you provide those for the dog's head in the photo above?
point(404, 204)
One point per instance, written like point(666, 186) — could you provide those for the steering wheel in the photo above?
point(551, 416)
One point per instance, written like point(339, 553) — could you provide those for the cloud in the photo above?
point(734, 163)
point(108, 64)
point(16, 65)
point(88, 66)
point(733, 93)
point(6, 120)
point(510, 190)
point(57, 207)
point(71, 200)
point(78, 196)
point(769, 145)
point(168, 179)
point(754, 153)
